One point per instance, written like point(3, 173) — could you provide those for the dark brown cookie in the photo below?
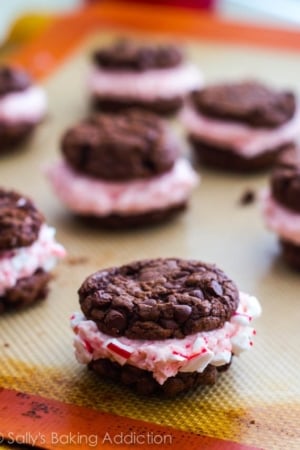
point(291, 253)
point(226, 159)
point(285, 179)
point(13, 80)
point(248, 102)
point(127, 55)
point(131, 145)
point(159, 299)
point(12, 135)
point(26, 291)
point(161, 106)
point(20, 221)
point(121, 222)
point(142, 381)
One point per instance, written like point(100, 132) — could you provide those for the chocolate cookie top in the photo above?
point(13, 80)
point(20, 221)
point(126, 146)
point(127, 55)
point(159, 299)
point(248, 102)
point(285, 179)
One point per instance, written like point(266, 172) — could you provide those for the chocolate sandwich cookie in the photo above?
point(285, 179)
point(122, 170)
point(28, 251)
point(154, 77)
point(285, 188)
point(162, 325)
point(22, 106)
point(281, 204)
point(241, 126)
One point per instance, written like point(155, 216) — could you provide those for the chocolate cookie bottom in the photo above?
point(12, 135)
point(117, 221)
point(160, 106)
point(228, 160)
point(26, 291)
point(285, 185)
point(142, 381)
point(291, 253)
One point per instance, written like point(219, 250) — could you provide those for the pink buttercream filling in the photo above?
point(148, 85)
point(26, 106)
point(242, 139)
point(24, 261)
point(165, 358)
point(87, 195)
point(281, 220)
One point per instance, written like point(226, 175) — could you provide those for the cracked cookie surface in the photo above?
point(120, 147)
point(126, 55)
point(248, 102)
point(159, 299)
point(20, 221)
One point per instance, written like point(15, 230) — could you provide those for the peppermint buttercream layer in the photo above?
point(149, 85)
point(92, 196)
point(165, 358)
point(28, 106)
point(242, 139)
point(24, 261)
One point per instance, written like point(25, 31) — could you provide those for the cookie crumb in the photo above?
point(252, 422)
point(247, 198)
point(77, 260)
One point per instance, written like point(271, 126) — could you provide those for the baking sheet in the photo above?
point(258, 400)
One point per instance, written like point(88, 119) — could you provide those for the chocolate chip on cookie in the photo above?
point(159, 299)
point(13, 80)
point(20, 221)
point(126, 55)
point(285, 179)
point(247, 102)
point(120, 147)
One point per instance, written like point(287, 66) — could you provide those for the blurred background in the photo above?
point(19, 18)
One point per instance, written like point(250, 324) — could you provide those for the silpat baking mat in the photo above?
point(257, 402)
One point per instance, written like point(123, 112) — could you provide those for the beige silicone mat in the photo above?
point(258, 400)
